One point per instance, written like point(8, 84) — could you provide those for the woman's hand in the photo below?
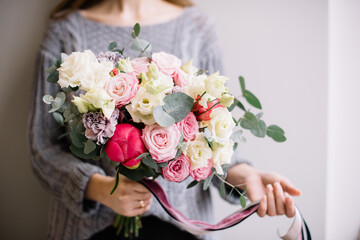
point(272, 189)
point(130, 198)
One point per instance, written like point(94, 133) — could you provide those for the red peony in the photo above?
point(125, 145)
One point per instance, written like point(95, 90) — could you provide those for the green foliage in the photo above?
point(242, 83)
point(112, 46)
point(192, 184)
point(252, 99)
point(57, 102)
point(238, 104)
point(89, 146)
point(79, 152)
point(276, 133)
point(48, 99)
point(58, 118)
point(136, 30)
point(116, 179)
point(222, 190)
point(249, 121)
point(78, 139)
point(207, 181)
point(176, 107)
point(260, 130)
point(242, 201)
point(53, 77)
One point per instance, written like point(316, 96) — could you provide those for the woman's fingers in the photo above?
point(289, 206)
point(271, 207)
point(289, 187)
point(262, 207)
point(279, 199)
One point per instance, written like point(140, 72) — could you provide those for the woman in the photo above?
point(81, 206)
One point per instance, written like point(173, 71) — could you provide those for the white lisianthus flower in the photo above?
point(162, 85)
point(142, 105)
point(214, 85)
point(188, 68)
point(195, 85)
point(125, 65)
point(226, 100)
point(221, 125)
point(198, 151)
point(221, 154)
point(82, 69)
point(96, 98)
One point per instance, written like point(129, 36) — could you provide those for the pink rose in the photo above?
point(179, 78)
point(122, 88)
point(202, 173)
point(125, 145)
point(177, 170)
point(166, 63)
point(202, 113)
point(161, 141)
point(189, 127)
point(140, 65)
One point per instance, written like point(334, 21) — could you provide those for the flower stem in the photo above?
point(199, 99)
point(209, 108)
point(232, 186)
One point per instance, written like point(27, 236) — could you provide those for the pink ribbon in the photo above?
point(197, 227)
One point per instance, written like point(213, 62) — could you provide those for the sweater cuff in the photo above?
point(74, 190)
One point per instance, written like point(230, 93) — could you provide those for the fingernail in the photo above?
point(269, 187)
point(277, 184)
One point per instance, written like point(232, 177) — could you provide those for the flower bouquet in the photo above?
point(153, 116)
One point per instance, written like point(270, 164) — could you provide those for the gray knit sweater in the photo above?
point(64, 176)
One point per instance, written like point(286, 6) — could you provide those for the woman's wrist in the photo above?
point(98, 187)
point(241, 173)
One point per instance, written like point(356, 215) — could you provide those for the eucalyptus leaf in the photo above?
point(260, 130)
point(249, 121)
point(79, 152)
point(207, 181)
point(62, 97)
point(259, 115)
point(276, 133)
point(53, 77)
point(89, 146)
point(148, 161)
point(51, 69)
point(235, 146)
point(178, 105)
point(238, 104)
point(178, 153)
point(252, 99)
point(192, 184)
point(140, 45)
point(242, 83)
point(136, 30)
point(58, 118)
point(222, 190)
point(242, 201)
point(57, 62)
point(163, 164)
point(142, 155)
point(162, 117)
point(112, 45)
point(48, 99)
point(78, 139)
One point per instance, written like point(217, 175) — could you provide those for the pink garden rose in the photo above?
point(189, 127)
point(200, 111)
point(122, 88)
point(167, 63)
point(202, 173)
point(161, 141)
point(177, 170)
point(140, 65)
point(125, 145)
point(179, 78)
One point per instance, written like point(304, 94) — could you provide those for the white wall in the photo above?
point(343, 182)
point(280, 47)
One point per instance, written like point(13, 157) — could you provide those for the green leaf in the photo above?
point(145, 154)
point(178, 153)
point(53, 77)
point(79, 152)
point(207, 181)
point(235, 146)
point(148, 161)
point(58, 62)
point(222, 190)
point(242, 201)
point(58, 118)
point(260, 130)
point(163, 164)
point(162, 117)
point(61, 96)
point(192, 184)
point(276, 133)
point(112, 45)
point(252, 99)
point(242, 83)
point(136, 30)
point(140, 45)
point(259, 115)
point(78, 139)
point(89, 146)
point(48, 99)
point(238, 104)
point(249, 121)
point(51, 69)
point(116, 179)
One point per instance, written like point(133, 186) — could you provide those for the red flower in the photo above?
point(114, 72)
point(202, 113)
point(125, 145)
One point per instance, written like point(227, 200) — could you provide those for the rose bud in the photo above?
point(114, 72)
point(177, 170)
point(125, 146)
point(203, 113)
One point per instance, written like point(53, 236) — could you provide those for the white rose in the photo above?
point(214, 85)
point(221, 124)
point(198, 151)
point(75, 68)
point(142, 105)
point(222, 154)
point(125, 65)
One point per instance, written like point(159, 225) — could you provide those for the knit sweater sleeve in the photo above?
point(62, 174)
point(212, 62)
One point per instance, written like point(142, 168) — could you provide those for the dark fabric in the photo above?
point(153, 229)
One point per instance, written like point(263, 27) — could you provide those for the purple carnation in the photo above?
point(98, 127)
point(108, 57)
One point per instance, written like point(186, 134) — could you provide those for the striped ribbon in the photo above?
point(297, 230)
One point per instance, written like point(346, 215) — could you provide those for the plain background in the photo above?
point(300, 57)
